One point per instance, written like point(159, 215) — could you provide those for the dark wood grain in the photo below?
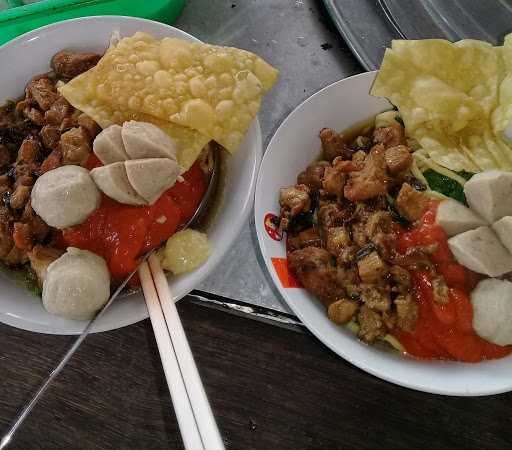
point(270, 388)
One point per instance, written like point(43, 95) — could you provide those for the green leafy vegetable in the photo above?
point(447, 186)
point(399, 120)
point(24, 278)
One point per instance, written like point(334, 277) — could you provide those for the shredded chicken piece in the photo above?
point(371, 181)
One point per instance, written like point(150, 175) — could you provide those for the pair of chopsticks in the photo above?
point(195, 418)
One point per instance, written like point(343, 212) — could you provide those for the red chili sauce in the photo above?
point(443, 331)
point(121, 233)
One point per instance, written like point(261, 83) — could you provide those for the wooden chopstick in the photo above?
point(180, 398)
point(201, 407)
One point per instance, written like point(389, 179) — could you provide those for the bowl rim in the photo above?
point(374, 370)
point(241, 217)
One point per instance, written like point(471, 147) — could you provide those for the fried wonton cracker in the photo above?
point(448, 94)
point(214, 90)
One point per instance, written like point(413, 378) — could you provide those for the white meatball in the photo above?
point(77, 285)
point(65, 196)
point(488, 193)
point(145, 140)
point(152, 177)
point(492, 310)
point(503, 228)
point(113, 181)
point(481, 251)
point(108, 145)
point(455, 218)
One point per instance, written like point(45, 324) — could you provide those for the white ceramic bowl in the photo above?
point(29, 55)
point(292, 148)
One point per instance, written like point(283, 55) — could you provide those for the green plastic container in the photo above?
point(18, 17)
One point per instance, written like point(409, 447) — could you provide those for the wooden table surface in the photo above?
point(270, 388)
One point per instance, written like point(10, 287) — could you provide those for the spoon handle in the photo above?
point(25, 411)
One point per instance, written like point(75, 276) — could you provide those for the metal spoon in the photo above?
point(201, 209)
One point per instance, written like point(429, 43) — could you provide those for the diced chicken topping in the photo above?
point(59, 110)
point(334, 180)
point(70, 64)
point(19, 197)
point(305, 238)
point(295, 199)
point(376, 297)
point(411, 203)
point(50, 136)
point(75, 147)
point(5, 156)
point(313, 176)
point(333, 145)
point(372, 180)
point(398, 159)
point(29, 150)
point(331, 215)
point(88, 125)
point(315, 269)
point(342, 311)
point(337, 239)
point(372, 268)
point(371, 325)
point(390, 136)
point(40, 258)
point(43, 91)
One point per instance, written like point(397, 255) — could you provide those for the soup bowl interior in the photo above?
point(293, 147)
point(30, 55)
